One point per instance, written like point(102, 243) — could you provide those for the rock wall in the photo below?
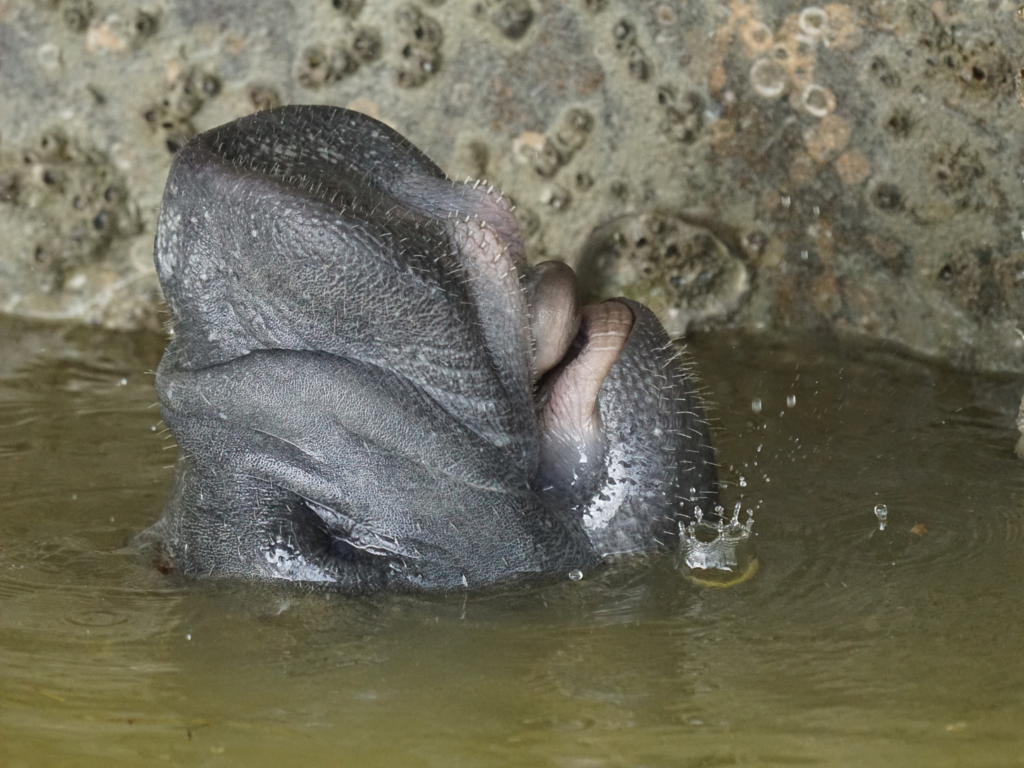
point(855, 167)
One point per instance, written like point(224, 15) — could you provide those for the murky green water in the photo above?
point(853, 646)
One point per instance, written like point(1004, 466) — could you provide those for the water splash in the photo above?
point(719, 553)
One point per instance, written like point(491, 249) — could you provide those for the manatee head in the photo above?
point(370, 386)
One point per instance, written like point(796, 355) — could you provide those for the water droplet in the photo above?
point(743, 482)
point(576, 575)
point(755, 405)
point(804, 255)
point(882, 513)
point(790, 401)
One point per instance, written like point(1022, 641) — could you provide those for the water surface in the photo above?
point(852, 646)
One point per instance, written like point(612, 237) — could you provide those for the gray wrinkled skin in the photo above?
point(352, 379)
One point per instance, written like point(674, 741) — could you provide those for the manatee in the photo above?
point(370, 386)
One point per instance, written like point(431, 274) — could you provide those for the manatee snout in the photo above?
point(371, 387)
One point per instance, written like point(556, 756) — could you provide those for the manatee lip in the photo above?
point(567, 396)
point(554, 313)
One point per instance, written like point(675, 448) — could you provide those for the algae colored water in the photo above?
point(852, 646)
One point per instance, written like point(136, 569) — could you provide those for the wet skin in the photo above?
point(369, 386)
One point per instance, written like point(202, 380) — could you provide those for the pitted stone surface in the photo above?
point(861, 163)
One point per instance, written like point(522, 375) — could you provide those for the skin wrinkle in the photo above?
point(374, 335)
point(436, 471)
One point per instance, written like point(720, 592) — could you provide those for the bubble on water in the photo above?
point(576, 575)
point(743, 482)
point(755, 405)
point(790, 401)
point(882, 513)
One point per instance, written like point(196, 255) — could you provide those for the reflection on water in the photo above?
point(854, 644)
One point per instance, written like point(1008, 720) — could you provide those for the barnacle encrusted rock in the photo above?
point(858, 161)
